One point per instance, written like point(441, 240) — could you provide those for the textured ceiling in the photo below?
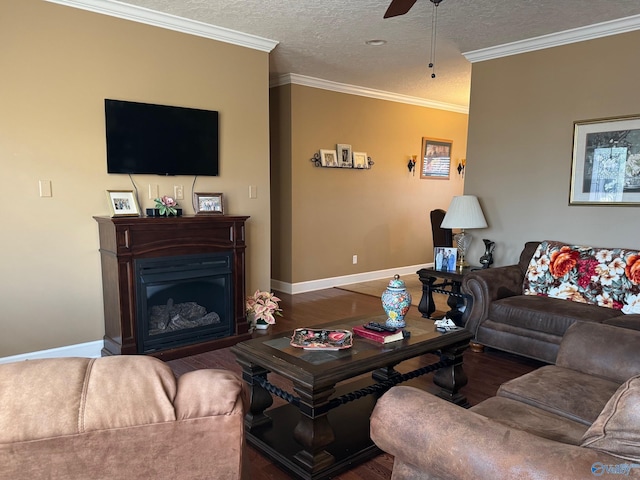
point(325, 39)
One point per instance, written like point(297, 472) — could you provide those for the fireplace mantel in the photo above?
point(125, 239)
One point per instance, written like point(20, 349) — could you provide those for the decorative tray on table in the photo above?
point(321, 339)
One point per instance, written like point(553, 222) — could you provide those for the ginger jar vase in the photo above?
point(396, 301)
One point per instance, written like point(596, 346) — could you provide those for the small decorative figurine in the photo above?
point(487, 259)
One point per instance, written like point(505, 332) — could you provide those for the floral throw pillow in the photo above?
point(608, 277)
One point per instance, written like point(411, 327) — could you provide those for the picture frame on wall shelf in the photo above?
point(605, 165)
point(208, 203)
point(123, 203)
point(329, 158)
point(435, 159)
point(360, 160)
point(345, 158)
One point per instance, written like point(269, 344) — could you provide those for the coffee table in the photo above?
point(324, 428)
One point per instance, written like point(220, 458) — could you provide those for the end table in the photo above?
point(450, 286)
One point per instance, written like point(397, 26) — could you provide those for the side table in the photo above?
point(450, 286)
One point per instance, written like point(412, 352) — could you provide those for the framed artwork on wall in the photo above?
point(605, 168)
point(344, 155)
point(329, 158)
point(208, 203)
point(360, 160)
point(123, 203)
point(435, 161)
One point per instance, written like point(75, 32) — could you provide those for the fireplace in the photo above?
point(183, 300)
point(172, 286)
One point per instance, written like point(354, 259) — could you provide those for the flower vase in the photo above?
point(396, 301)
point(261, 325)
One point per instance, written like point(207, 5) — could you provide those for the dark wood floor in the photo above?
point(486, 371)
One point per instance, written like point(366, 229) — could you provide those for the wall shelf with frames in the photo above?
point(329, 159)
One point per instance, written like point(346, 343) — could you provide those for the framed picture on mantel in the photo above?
point(208, 204)
point(123, 203)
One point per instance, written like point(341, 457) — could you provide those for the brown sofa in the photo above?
point(119, 417)
point(503, 317)
point(577, 419)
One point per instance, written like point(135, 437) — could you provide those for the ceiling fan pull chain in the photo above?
point(434, 26)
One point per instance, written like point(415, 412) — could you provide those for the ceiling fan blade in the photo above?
point(399, 7)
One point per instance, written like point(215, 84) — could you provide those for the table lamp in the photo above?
point(464, 213)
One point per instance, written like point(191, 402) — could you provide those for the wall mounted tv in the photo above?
point(160, 139)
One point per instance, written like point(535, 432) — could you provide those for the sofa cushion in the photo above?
point(93, 394)
point(577, 396)
point(531, 419)
point(601, 350)
point(616, 431)
point(608, 277)
point(544, 314)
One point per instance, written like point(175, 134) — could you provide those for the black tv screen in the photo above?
point(160, 139)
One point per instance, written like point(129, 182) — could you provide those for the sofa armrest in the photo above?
point(443, 441)
point(486, 286)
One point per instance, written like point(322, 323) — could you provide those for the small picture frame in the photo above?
point(344, 155)
point(208, 203)
point(123, 203)
point(329, 158)
point(360, 160)
point(445, 258)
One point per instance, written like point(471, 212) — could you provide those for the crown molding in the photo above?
point(170, 22)
point(296, 79)
point(581, 34)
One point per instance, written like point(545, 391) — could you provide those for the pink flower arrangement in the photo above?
point(264, 306)
point(166, 205)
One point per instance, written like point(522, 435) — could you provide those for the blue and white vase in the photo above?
point(396, 301)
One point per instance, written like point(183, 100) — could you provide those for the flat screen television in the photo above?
point(160, 139)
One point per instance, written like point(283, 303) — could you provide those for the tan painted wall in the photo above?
point(57, 65)
point(520, 142)
point(382, 214)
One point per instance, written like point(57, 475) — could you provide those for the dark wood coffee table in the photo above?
point(324, 428)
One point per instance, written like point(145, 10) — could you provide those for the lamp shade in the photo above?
point(464, 212)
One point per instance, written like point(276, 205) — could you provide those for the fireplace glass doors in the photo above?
point(182, 300)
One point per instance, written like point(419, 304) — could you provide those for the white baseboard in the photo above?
point(89, 349)
point(319, 284)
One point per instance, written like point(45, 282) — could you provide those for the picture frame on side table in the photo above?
point(329, 158)
point(344, 155)
point(123, 203)
point(445, 258)
point(605, 168)
point(208, 203)
point(435, 160)
point(360, 160)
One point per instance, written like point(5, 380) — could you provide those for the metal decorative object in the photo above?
point(487, 259)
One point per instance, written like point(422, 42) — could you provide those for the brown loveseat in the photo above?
point(578, 419)
point(513, 308)
point(119, 417)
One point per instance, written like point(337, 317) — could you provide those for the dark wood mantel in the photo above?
point(125, 239)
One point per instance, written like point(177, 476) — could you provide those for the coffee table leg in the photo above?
point(452, 378)
point(313, 431)
point(260, 399)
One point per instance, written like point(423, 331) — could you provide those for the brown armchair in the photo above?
point(571, 420)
